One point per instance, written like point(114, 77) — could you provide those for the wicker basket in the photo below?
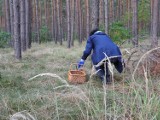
point(76, 76)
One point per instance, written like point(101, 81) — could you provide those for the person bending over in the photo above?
point(103, 49)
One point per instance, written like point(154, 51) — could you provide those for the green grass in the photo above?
point(36, 88)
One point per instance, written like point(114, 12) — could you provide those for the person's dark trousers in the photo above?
point(103, 73)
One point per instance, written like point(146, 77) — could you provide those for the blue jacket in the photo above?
point(100, 43)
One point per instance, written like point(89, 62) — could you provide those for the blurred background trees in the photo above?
point(68, 20)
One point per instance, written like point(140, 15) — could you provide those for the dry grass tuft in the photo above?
point(23, 115)
point(37, 88)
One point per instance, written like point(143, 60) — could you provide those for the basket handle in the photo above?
point(76, 64)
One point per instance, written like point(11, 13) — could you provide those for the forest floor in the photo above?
point(37, 86)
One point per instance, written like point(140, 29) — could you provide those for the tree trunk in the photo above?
point(8, 22)
point(76, 18)
point(40, 13)
point(106, 16)
point(134, 24)
point(27, 21)
point(17, 42)
point(87, 18)
point(28, 8)
point(46, 17)
point(68, 24)
point(154, 21)
point(128, 11)
point(111, 10)
point(11, 21)
point(33, 20)
point(95, 14)
point(79, 14)
point(4, 15)
point(37, 23)
point(45, 8)
point(58, 22)
point(122, 8)
point(30, 23)
point(52, 9)
point(101, 12)
point(22, 25)
point(118, 9)
point(55, 21)
point(83, 29)
point(72, 21)
point(61, 20)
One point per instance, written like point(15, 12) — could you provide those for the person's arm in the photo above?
point(88, 49)
point(86, 53)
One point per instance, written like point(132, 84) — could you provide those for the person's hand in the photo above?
point(80, 63)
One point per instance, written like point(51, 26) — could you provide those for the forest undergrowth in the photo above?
point(36, 88)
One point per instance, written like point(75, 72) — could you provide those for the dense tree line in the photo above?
point(66, 20)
